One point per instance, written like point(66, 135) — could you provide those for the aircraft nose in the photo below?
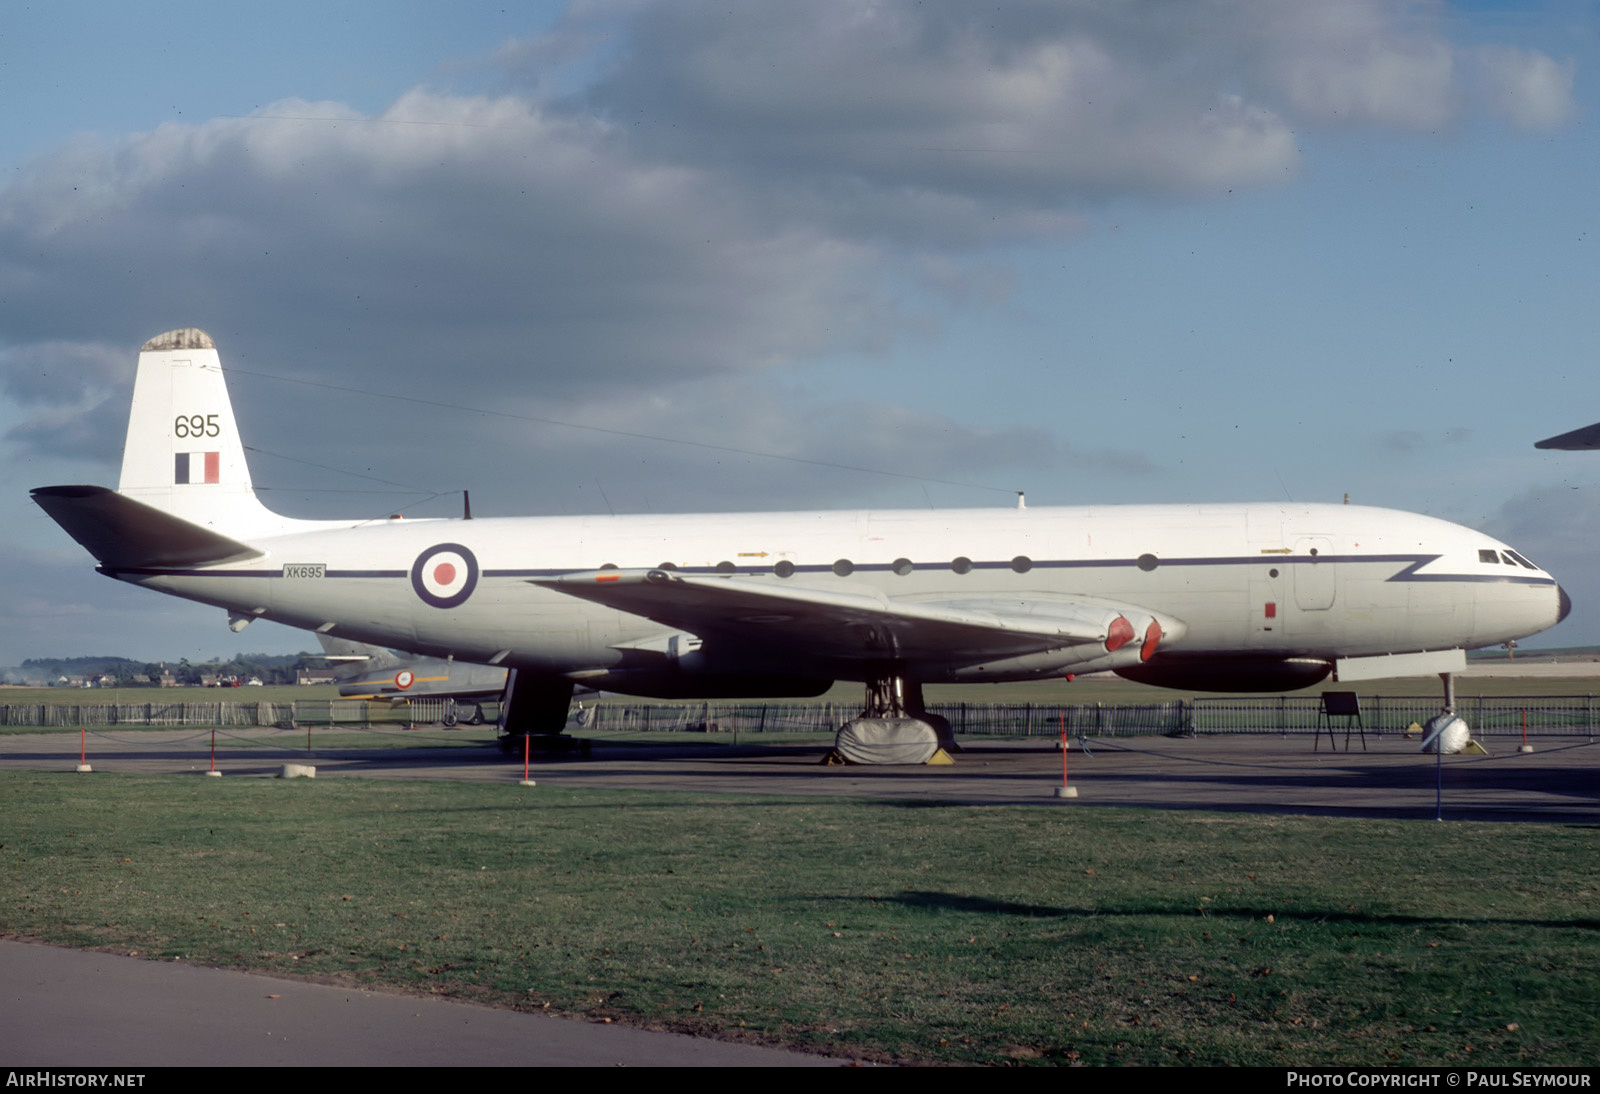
point(1564, 604)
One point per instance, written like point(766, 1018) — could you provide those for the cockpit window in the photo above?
point(1486, 555)
point(1521, 561)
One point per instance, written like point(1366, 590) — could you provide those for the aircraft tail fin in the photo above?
point(183, 454)
point(348, 649)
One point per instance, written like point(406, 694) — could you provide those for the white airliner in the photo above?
point(1210, 597)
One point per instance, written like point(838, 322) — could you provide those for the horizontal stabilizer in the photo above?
point(348, 649)
point(125, 534)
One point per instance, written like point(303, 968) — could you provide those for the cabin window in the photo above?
point(608, 565)
point(961, 564)
point(1022, 564)
point(902, 566)
point(783, 568)
point(667, 566)
point(1149, 562)
point(844, 567)
point(724, 567)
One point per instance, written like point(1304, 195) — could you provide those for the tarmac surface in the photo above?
point(67, 1008)
point(1558, 782)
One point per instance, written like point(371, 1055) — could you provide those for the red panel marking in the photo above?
point(1119, 634)
point(213, 466)
point(444, 574)
point(609, 577)
point(1152, 639)
point(1272, 610)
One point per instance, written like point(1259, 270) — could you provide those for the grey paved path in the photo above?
point(67, 1008)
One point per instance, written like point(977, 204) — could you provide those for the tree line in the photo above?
point(125, 672)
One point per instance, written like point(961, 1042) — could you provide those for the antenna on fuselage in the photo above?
point(1022, 500)
point(466, 505)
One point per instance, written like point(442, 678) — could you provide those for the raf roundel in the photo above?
point(445, 575)
point(403, 679)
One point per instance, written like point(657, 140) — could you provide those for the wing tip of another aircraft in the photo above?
point(1577, 440)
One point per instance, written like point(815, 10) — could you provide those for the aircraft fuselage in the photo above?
point(1293, 580)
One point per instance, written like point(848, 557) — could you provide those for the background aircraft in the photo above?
point(365, 671)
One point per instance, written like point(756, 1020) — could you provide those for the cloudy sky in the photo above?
point(888, 253)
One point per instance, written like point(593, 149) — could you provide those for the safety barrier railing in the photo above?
point(1562, 715)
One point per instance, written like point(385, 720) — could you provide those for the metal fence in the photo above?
point(1571, 715)
point(314, 712)
point(146, 714)
point(1489, 716)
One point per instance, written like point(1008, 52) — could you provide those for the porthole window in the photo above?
point(724, 567)
point(1148, 562)
point(608, 565)
point(1022, 564)
point(844, 567)
point(667, 566)
point(1272, 572)
point(783, 568)
point(961, 564)
point(902, 566)
point(1313, 552)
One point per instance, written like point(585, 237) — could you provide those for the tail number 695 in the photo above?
point(196, 425)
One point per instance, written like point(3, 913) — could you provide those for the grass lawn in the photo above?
point(914, 931)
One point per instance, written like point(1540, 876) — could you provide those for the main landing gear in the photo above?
point(894, 727)
point(535, 707)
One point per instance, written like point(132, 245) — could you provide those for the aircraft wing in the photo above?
point(1585, 438)
point(862, 626)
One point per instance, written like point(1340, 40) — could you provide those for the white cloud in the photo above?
point(728, 196)
point(1527, 88)
point(1358, 62)
point(529, 244)
point(1021, 106)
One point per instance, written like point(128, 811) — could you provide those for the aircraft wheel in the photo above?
point(450, 718)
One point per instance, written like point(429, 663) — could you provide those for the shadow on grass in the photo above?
point(924, 900)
